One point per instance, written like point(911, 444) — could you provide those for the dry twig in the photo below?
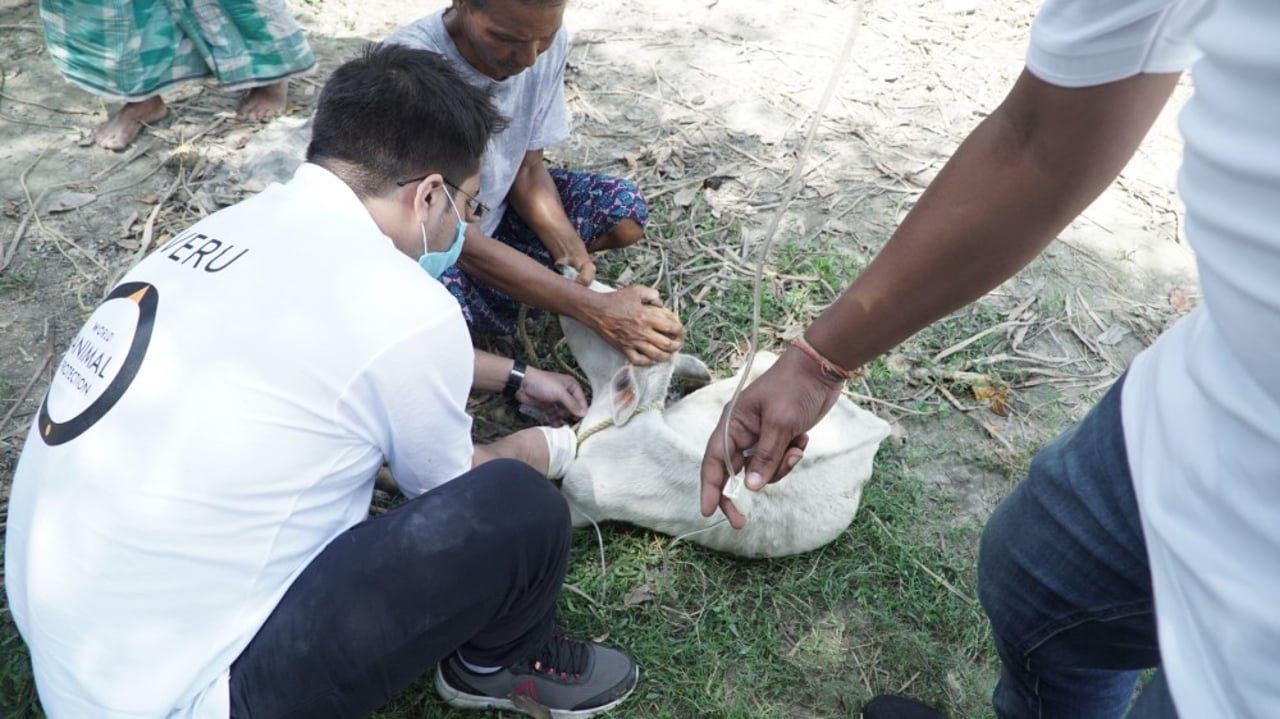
point(7, 256)
point(22, 396)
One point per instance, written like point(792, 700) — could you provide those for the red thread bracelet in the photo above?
point(829, 369)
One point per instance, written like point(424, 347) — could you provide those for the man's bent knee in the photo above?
point(511, 486)
point(503, 498)
point(624, 234)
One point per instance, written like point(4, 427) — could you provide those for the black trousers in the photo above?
point(475, 564)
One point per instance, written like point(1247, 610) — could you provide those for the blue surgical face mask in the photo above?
point(435, 263)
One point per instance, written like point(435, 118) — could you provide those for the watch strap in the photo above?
point(515, 379)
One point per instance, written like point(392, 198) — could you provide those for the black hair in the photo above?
point(396, 112)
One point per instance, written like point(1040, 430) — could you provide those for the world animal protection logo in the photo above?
point(100, 364)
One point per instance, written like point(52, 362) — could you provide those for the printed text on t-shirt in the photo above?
point(201, 252)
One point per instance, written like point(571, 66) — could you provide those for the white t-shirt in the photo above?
point(1201, 406)
point(533, 103)
point(213, 426)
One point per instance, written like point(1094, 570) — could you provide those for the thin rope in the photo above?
point(695, 532)
point(792, 190)
point(604, 568)
point(606, 424)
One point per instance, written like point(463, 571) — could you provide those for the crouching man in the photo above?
point(539, 217)
point(187, 532)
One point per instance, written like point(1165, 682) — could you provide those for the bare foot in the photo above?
point(120, 131)
point(263, 103)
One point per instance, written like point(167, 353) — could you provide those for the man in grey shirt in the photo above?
point(534, 218)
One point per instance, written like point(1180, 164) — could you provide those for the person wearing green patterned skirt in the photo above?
point(133, 50)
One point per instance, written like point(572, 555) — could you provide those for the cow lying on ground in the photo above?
point(638, 457)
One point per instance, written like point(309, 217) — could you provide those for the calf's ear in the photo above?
point(693, 370)
point(624, 394)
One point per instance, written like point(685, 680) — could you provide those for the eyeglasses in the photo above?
point(475, 207)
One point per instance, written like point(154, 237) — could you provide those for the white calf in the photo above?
point(638, 458)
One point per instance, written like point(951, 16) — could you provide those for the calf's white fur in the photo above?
point(638, 459)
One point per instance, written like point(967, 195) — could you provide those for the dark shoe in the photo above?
point(571, 678)
point(891, 707)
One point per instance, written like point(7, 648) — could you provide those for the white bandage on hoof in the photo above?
point(562, 449)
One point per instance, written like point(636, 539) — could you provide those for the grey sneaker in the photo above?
point(571, 678)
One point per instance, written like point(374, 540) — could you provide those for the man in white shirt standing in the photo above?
point(187, 531)
point(1149, 534)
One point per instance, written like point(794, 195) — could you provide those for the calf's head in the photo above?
point(620, 389)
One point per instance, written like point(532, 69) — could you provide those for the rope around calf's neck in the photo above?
point(606, 424)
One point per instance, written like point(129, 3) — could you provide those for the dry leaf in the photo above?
point(149, 199)
point(997, 398)
point(685, 197)
point(639, 595)
point(898, 434)
point(67, 201)
point(999, 404)
point(1112, 335)
point(983, 391)
point(898, 364)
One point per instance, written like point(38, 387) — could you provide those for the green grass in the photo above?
point(16, 278)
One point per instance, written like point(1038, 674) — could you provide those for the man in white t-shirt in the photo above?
point(188, 531)
point(542, 217)
point(1148, 535)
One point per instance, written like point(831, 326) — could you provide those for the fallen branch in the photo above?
point(965, 343)
point(857, 397)
point(7, 256)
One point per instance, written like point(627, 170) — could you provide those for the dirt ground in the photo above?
point(700, 101)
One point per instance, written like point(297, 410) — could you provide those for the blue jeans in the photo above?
point(1064, 578)
point(476, 564)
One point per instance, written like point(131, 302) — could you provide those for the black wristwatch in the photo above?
point(515, 380)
